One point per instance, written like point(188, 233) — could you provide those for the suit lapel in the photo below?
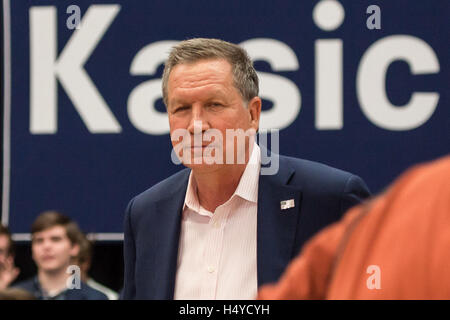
point(276, 227)
point(169, 229)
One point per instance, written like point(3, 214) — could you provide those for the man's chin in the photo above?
point(51, 268)
point(203, 167)
point(200, 160)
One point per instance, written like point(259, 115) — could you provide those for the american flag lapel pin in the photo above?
point(286, 204)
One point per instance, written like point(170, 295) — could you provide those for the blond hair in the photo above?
point(190, 51)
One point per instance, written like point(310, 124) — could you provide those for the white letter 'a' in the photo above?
point(68, 68)
point(374, 281)
point(371, 81)
point(141, 102)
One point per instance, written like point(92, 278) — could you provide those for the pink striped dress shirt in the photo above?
point(217, 251)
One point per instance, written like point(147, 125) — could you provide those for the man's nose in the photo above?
point(199, 123)
point(46, 244)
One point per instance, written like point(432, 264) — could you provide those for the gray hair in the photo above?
point(189, 51)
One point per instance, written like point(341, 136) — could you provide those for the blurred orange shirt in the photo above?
point(396, 246)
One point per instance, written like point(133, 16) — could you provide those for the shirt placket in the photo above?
point(213, 252)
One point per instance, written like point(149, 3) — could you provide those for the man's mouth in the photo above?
point(202, 146)
point(47, 258)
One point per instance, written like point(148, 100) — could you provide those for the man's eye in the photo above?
point(216, 104)
point(182, 108)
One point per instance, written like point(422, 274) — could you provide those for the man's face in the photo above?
point(52, 249)
point(204, 92)
point(4, 249)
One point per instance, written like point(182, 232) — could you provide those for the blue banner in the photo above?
point(359, 85)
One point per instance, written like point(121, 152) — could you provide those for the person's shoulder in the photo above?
point(322, 178)
point(165, 188)
point(27, 284)
point(111, 294)
point(85, 292)
point(308, 169)
point(94, 294)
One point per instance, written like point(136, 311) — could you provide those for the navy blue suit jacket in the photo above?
point(153, 221)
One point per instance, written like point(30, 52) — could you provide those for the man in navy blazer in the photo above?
point(211, 86)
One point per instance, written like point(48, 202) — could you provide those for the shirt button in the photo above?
point(211, 269)
point(216, 225)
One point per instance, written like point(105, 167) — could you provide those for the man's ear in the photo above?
point(254, 109)
point(75, 250)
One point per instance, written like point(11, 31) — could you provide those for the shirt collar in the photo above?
point(248, 185)
point(191, 199)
